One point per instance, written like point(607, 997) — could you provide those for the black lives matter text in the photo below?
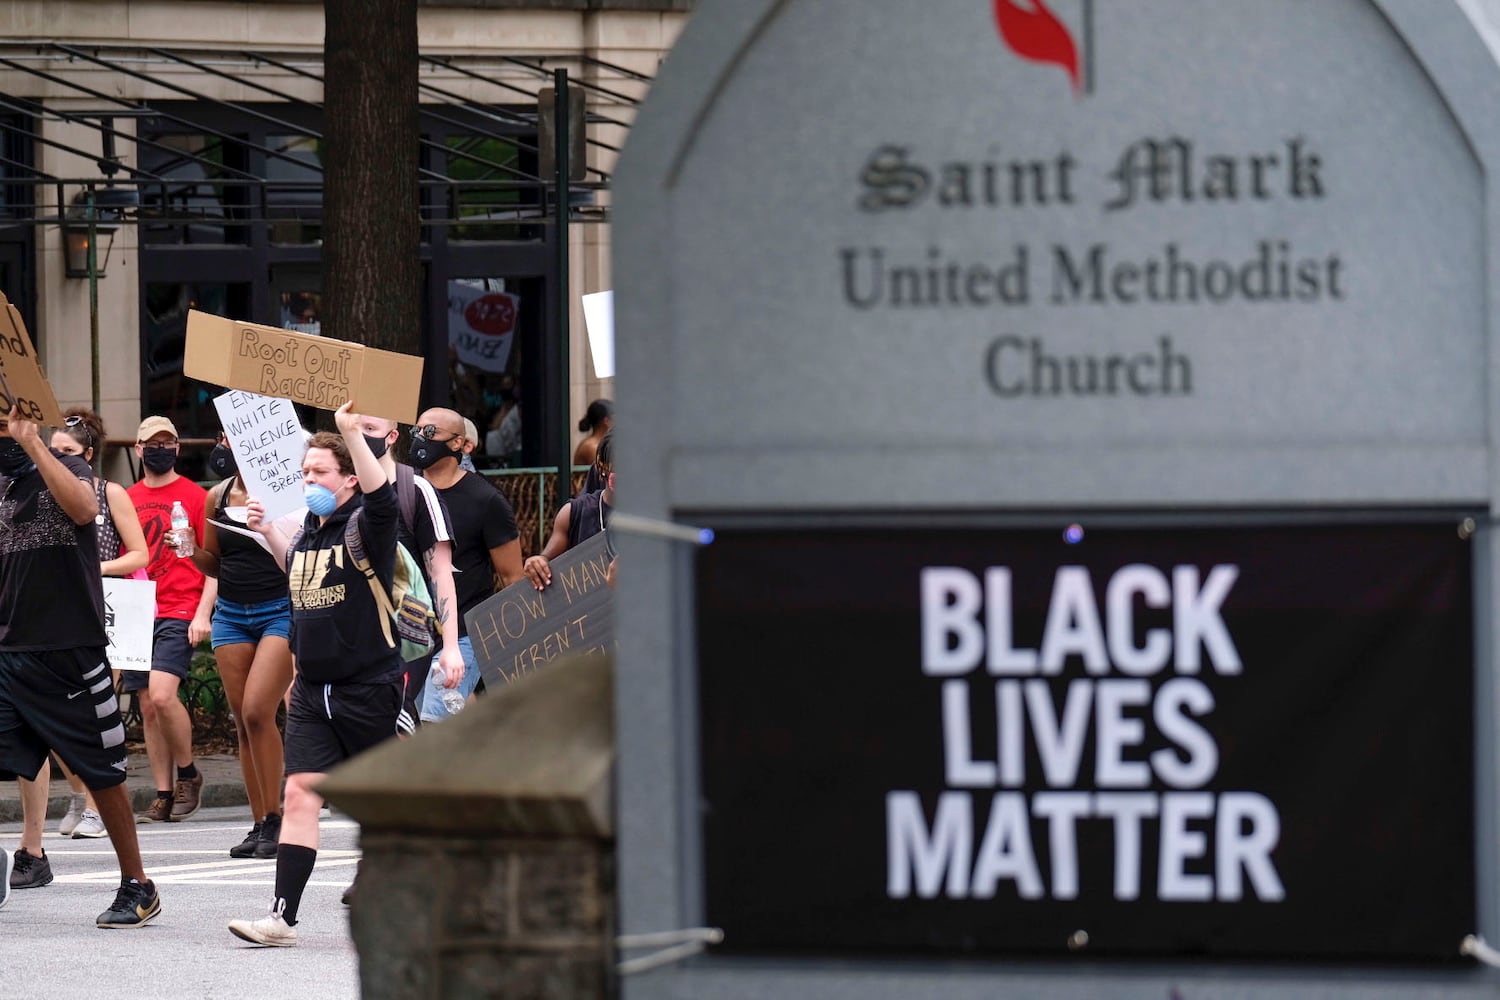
point(1123, 687)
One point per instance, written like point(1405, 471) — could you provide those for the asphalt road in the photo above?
point(50, 948)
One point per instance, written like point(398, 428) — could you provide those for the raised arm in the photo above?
point(75, 496)
point(366, 466)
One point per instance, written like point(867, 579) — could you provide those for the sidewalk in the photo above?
point(222, 786)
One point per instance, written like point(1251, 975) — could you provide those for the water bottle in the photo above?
point(181, 526)
point(452, 698)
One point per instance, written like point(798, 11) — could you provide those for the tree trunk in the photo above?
point(371, 272)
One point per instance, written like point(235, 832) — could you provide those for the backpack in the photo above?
point(408, 605)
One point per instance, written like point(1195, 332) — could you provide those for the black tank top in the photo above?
point(248, 574)
point(588, 517)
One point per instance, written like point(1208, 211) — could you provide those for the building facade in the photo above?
point(194, 130)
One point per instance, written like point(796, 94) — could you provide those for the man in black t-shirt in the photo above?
point(486, 544)
point(425, 531)
point(56, 690)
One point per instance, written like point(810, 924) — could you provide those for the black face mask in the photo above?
point(424, 454)
point(221, 461)
point(159, 460)
point(14, 461)
point(377, 444)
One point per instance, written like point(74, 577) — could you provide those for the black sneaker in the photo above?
point(246, 847)
point(136, 904)
point(6, 860)
point(270, 836)
point(30, 871)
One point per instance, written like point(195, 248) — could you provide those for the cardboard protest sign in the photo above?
point(522, 629)
point(317, 371)
point(267, 441)
point(129, 617)
point(23, 383)
point(481, 325)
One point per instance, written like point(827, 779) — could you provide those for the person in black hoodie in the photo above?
point(347, 693)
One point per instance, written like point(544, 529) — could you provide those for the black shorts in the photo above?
point(170, 653)
point(329, 723)
point(62, 700)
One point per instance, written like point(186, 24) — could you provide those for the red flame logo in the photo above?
point(1034, 32)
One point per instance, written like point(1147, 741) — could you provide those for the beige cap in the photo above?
point(470, 431)
point(152, 426)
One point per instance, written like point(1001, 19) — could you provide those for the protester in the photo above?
point(581, 518)
point(486, 544)
point(425, 531)
point(55, 685)
point(471, 439)
point(252, 624)
point(502, 440)
point(184, 602)
point(122, 553)
point(597, 421)
point(347, 693)
point(32, 867)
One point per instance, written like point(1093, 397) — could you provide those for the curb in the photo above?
point(218, 794)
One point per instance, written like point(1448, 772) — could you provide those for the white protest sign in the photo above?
point(599, 318)
point(129, 616)
point(481, 325)
point(268, 446)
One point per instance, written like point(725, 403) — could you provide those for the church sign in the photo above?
point(1094, 404)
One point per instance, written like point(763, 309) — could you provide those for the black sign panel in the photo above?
point(521, 629)
point(1219, 742)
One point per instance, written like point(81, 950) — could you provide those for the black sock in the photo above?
point(294, 866)
point(187, 772)
point(164, 795)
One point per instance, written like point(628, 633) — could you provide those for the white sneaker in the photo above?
point(7, 860)
point(77, 806)
point(270, 930)
point(90, 826)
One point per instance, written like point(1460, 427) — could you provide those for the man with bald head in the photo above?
point(486, 544)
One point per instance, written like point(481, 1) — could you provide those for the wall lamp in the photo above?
point(85, 220)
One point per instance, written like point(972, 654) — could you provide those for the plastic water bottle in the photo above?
point(181, 526)
point(452, 698)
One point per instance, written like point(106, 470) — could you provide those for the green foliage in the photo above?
point(202, 692)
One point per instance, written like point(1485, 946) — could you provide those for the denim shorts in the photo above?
point(235, 622)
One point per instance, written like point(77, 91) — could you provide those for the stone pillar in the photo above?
point(488, 847)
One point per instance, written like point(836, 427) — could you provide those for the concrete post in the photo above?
point(488, 846)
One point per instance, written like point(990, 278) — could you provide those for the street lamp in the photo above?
point(78, 248)
point(92, 214)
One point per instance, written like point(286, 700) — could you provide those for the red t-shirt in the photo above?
point(179, 584)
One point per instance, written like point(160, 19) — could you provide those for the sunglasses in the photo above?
point(77, 421)
point(159, 446)
point(431, 432)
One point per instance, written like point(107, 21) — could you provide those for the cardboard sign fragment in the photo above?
point(23, 382)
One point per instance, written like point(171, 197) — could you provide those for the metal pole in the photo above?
point(93, 298)
point(560, 180)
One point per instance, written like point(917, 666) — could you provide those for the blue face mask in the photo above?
point(319, 499)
